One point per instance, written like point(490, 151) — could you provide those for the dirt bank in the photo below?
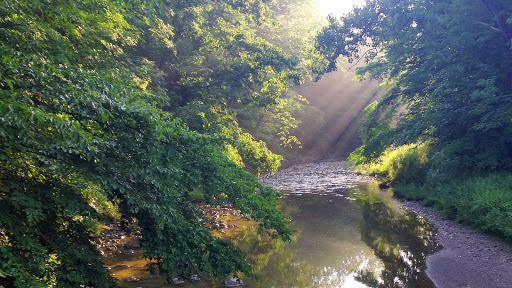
point(469, 259)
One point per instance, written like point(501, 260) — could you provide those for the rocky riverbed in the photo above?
point(468, 259)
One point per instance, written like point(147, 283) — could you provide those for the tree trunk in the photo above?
point(500, 18)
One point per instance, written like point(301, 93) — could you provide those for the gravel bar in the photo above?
point(469, 259)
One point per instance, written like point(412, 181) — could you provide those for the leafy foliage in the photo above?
point(90, 94)
point(404, 164)
point(284, 125)
point(448, 64)
point(448, 67)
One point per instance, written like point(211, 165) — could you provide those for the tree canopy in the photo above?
point(115, 109)
point(448, 67)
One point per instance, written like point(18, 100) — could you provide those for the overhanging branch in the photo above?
point(492, 28)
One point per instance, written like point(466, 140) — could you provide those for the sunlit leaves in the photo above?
point(83, 138)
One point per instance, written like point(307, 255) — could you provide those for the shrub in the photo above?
point(405, 164)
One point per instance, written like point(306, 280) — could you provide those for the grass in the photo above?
point(403, 164)
point(482, 202)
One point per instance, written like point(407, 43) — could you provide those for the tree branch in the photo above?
point(501, 22)
point(359, 58)
point(492, 28)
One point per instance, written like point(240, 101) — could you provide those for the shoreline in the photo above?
point(469, 259)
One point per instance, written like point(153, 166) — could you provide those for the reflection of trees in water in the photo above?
point(280, 264)
point(268, 255)
point(399, 244)
point(258, 246)
point(401, 241)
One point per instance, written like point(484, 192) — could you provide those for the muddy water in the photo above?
point(349, 234)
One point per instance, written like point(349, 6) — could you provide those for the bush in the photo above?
point(405, 164)
point(483, 202)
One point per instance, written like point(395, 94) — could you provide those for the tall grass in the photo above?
point(483, 202)
point(406, 164)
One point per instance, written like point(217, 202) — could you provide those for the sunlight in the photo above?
point(337, 7)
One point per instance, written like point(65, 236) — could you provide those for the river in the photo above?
point(349, 234)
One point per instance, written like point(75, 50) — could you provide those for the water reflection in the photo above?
point(342, 243)
point(350, 234)
point(401, 241)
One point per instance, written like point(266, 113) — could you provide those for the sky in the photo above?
point(337, 7)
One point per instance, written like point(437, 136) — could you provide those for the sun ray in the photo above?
point(337, 7)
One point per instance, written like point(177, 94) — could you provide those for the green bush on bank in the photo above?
point(405, 164)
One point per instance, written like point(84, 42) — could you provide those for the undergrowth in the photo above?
point(406, 164)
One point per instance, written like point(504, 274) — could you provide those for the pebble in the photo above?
point(131, 279)
point(194, 278)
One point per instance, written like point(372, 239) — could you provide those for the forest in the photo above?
point(131, 110)
point(442, 132)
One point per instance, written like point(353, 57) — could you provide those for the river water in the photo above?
point(350, 234)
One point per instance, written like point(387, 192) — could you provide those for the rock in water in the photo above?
point(194, 278)
point(233, 281)
point(131, 279)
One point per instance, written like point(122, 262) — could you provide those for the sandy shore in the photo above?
point(469, 259)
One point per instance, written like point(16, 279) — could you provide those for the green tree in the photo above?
point(217, 66)
point(90, 94)
point(449, 68)
point(291, 26)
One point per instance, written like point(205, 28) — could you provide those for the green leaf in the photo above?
point(10, 83)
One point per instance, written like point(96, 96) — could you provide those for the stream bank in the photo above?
point(469, 259)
